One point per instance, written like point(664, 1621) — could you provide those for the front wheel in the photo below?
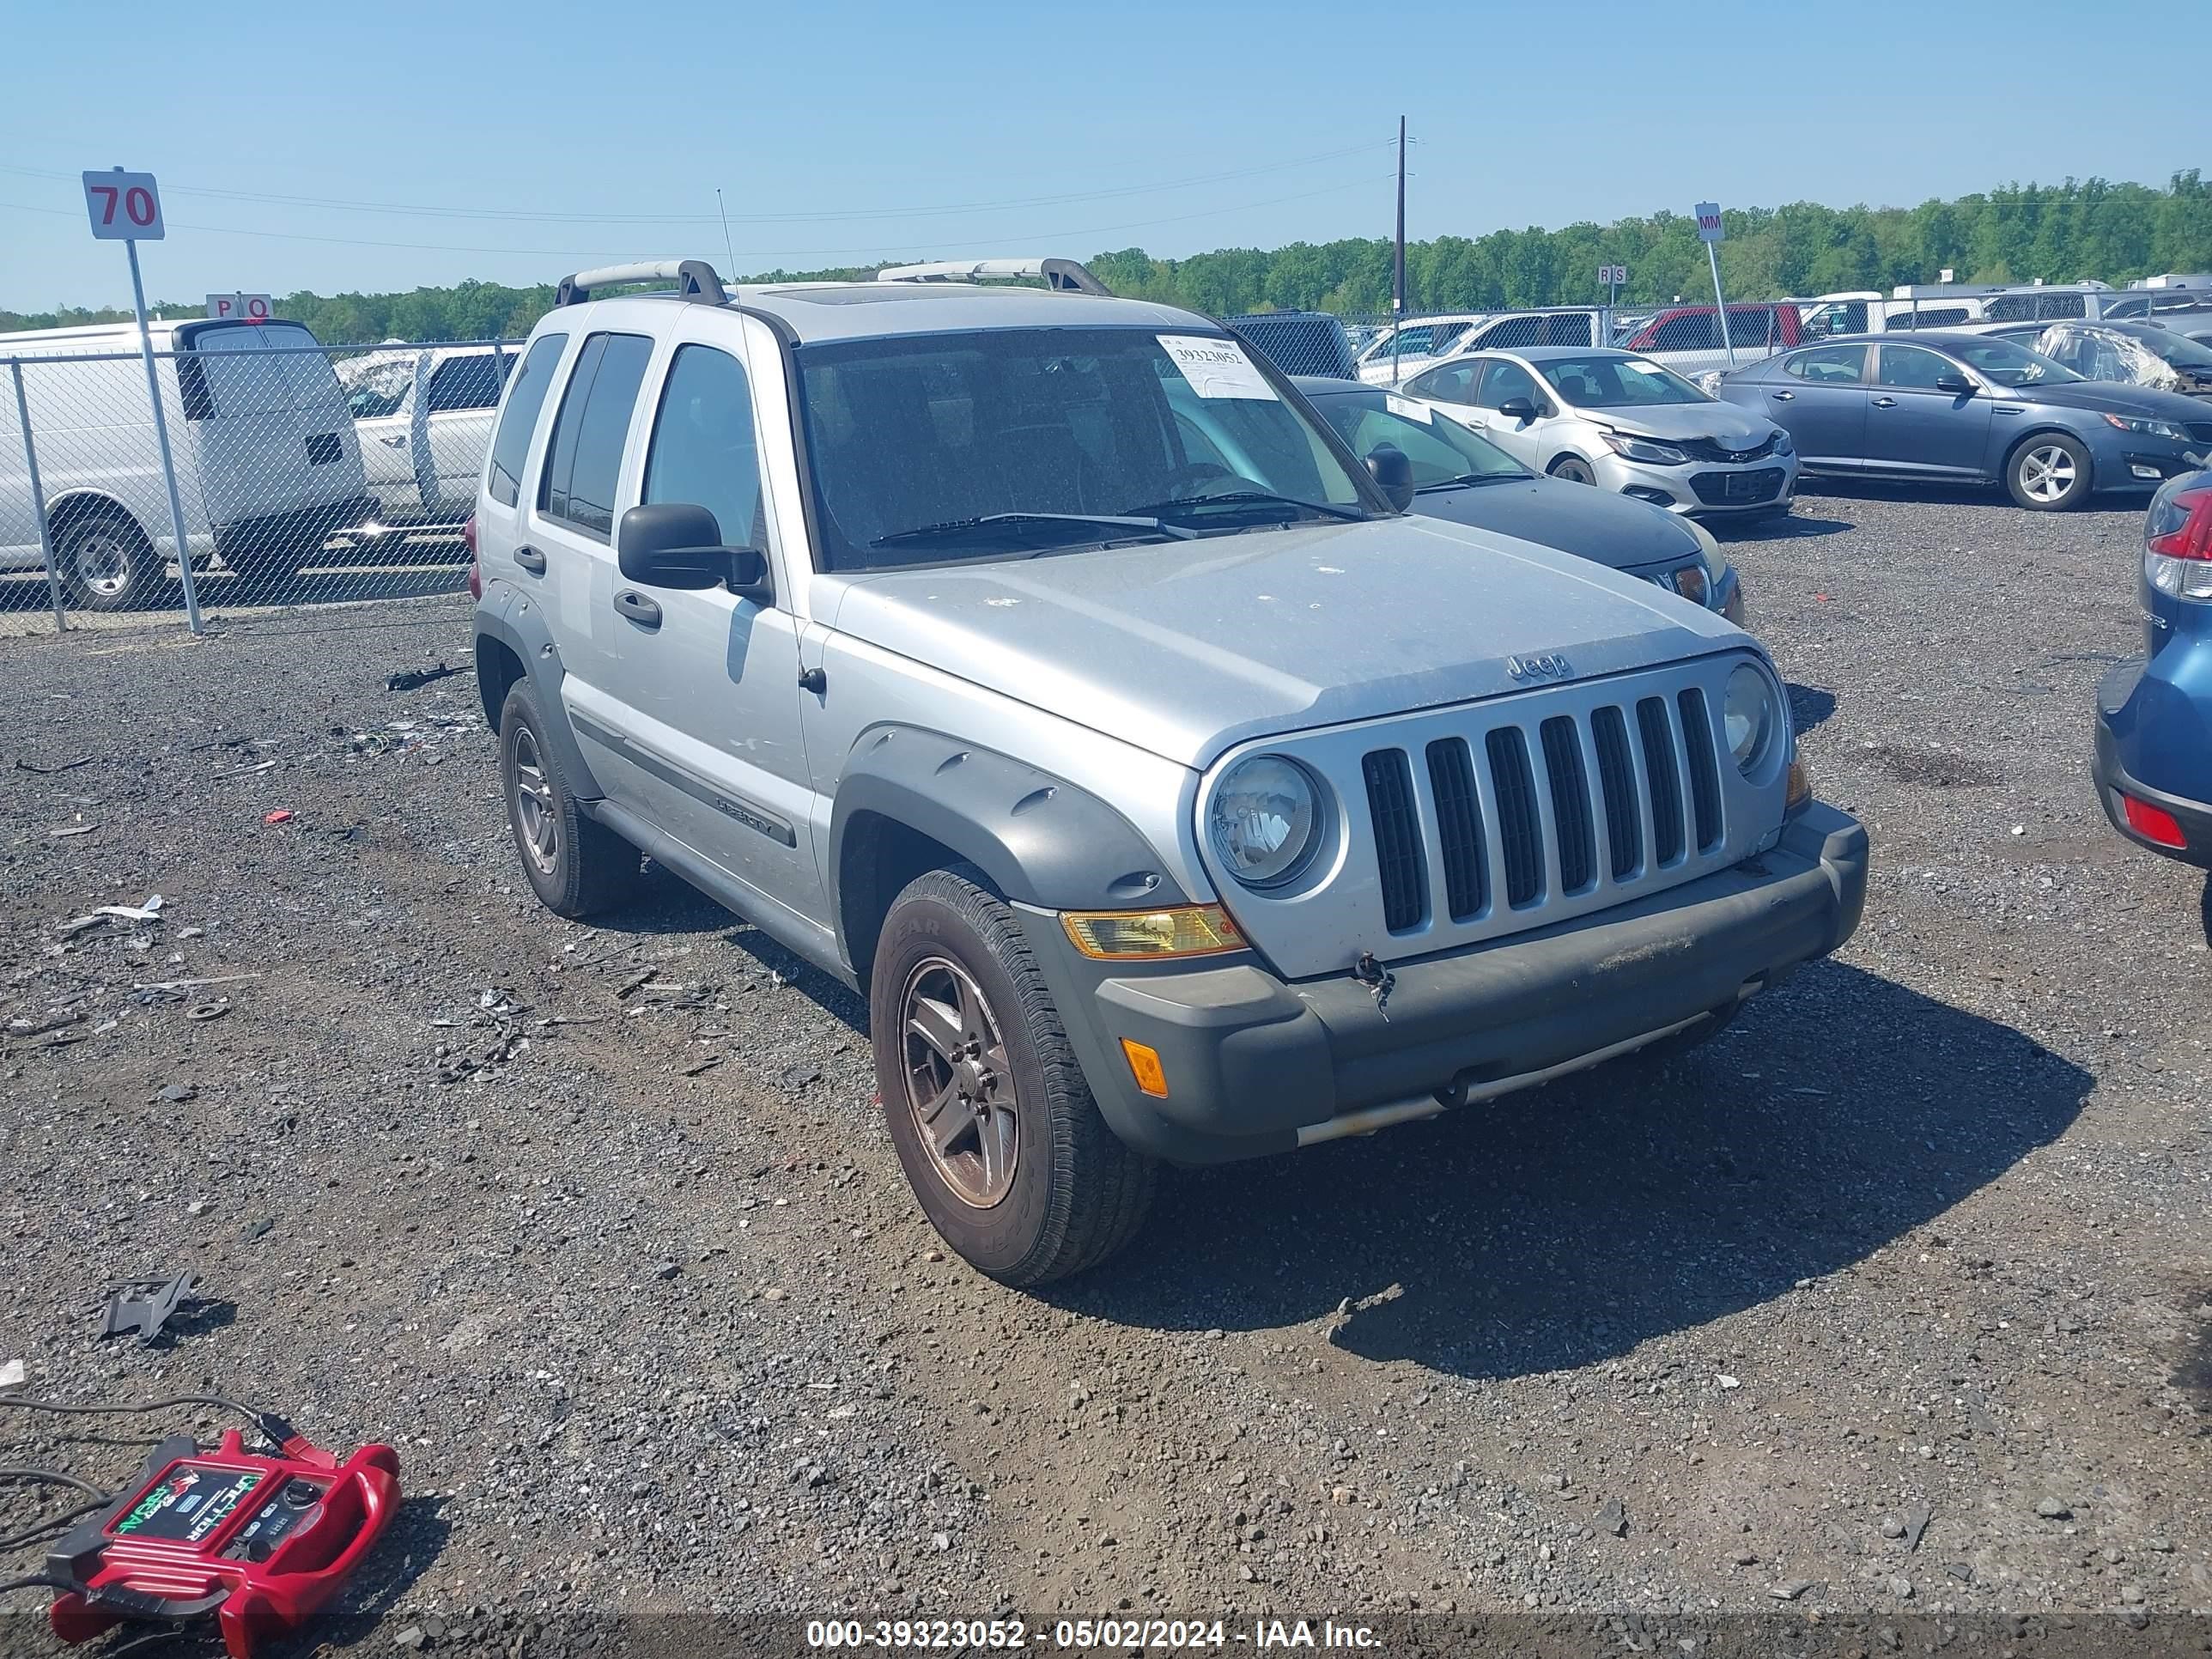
point(2049, 473)
point(576, 866)
point(986, 1104)
point(1574, 468)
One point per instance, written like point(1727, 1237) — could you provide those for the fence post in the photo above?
point(38, 499)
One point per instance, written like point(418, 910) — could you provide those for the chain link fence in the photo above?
point(304, 475)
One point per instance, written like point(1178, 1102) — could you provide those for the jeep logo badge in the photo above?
point(1547, 665)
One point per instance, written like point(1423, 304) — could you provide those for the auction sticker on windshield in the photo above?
point(1216, 368)
point(1411, 409)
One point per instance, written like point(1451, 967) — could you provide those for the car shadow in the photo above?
point(667, 904)
point(1809, 705)
point(1795, 526)
point(1564, 1227)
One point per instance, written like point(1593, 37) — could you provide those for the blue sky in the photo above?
point(837, 132)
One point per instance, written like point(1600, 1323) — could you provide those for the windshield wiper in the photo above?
point(1251, 498)
point(957, 529)
point(1467, 479)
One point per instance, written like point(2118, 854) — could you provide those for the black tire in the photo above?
point(108, 563)
point(1573, 469)
point(576, 866)
point(2048, 472)
point(1069, 1193)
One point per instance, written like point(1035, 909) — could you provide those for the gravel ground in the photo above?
point(1892, 1300)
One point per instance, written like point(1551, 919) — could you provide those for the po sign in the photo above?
point(239, 307)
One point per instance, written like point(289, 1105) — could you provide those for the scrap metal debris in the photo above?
point(144, 1306)
point(414, 678)
point(23, 765)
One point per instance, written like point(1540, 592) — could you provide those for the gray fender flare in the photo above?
point(1040, 840)
point(518, 621)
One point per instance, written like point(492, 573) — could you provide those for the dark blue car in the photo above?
point(1943, 407)
point(2153, 765)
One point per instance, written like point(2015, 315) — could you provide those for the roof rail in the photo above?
point(1066, 275)
point(694, 280)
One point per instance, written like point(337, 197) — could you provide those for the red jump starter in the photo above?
point(261, 1543)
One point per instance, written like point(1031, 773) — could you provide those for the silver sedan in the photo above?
point(1619, 421)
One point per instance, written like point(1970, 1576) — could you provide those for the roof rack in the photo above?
point(694, 280)
point(1064, 276)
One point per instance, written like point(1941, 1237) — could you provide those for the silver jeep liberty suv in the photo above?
point(1038, 664)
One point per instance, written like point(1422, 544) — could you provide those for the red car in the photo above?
point(1756, 329)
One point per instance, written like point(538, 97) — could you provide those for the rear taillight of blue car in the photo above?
point(2177, 543)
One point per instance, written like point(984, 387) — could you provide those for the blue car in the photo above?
point(1961, 408)
point(2153, 764)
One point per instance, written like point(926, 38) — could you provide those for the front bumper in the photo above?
point(1703, 487)
point(2138, 719)
point(1252, 1060)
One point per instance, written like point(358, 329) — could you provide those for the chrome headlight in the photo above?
point(2149, 428)
point(1751, 714)
point(1782, 443)
point(1643, 449)
point(1265, 820)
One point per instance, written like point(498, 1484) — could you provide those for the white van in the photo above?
point(267, 467)
point(424, 416)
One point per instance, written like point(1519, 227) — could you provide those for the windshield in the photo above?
point(1010, 441)
point(1617, 382)
point(2177, 348)
point(2009, 364)
point(1443, 452)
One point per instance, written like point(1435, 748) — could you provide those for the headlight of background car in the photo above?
point(1782, 444)
point(1750, 716)
point(2149, 429)
point(1645, 449)
point(1265, 820)
point(1720, 574)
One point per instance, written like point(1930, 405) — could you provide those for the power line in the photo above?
point(1033, 239)
point(849, 215)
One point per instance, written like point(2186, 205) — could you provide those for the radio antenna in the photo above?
point(732, 266)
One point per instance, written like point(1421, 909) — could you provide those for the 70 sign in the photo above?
point(123, 207)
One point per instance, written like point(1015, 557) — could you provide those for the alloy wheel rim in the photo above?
point(102, 564)
point(959, 1082)
point(1575, 473)
point(2047, 473)
point(533, 803)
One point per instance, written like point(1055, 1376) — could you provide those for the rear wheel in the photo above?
point(986, 1105)
point(1574, 468)
point(576, 866)
point(2049, 473)
point(108, 563)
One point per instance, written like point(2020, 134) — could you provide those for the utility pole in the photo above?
point(1398, 260)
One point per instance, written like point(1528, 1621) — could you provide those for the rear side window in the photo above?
point(1691, 332)
point(512, 442)
point(465, 383)
point(1568, 328)
point(703, 450)
point(1836, 365)
point(584, 458)
point(2059, 305)
point(1761, 327)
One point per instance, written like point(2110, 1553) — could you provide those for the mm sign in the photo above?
point(123, 207)
point(239, 307)
point(1709, 222)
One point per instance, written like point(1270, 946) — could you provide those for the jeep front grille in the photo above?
point(1533, 822)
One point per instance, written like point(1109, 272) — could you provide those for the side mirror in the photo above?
point(676, 544)
point(1518, 409)
point(1956, 385)
point(1392, 474)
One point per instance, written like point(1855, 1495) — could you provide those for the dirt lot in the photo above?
point(1894, 1300)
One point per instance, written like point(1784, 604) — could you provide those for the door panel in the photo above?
point(1819, 398)
point(705, 693)
point(1910, 427)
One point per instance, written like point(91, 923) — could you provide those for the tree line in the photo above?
point(2019, 233)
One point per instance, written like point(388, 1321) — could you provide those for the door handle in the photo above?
point(531, 560)
point(1885, 402)
point(638, 608)
point(398, 440)
point(1782, 397)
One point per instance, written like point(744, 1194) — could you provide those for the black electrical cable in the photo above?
point(274, 1427)
point(35, 1581)
point(51, 1523)
point(52, 1477)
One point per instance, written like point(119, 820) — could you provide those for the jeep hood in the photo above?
point(1184, 648)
